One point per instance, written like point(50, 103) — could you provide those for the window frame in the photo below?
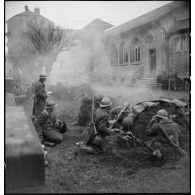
point(123, 54)
point(182, 43)
point(135, 52)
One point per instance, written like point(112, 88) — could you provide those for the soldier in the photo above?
point(101, 115)
point(165, 144)
point(17, 90)
point(126, 120)
point(40, 96)
point(48, 127)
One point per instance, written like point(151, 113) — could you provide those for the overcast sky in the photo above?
point(77, 14)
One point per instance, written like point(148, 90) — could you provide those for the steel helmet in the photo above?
point(51, 104)
point(105, 102)
point(162, 114)
point(42, 76)
point(126, 104)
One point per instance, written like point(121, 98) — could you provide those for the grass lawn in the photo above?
point(71, 171)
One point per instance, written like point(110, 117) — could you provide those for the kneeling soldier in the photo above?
point(101, 116)
point(48, 127)
point(165, 143)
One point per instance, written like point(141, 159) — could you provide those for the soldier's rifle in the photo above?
point(92, 128)
point(92, 117)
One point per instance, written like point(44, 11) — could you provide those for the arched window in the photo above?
point(123, 54)
point(114, 55)
point(181, 43)
point(135, 51)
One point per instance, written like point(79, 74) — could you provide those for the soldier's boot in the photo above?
point(89, 149)
point(50, 144)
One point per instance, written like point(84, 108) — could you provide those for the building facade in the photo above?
point(19, 47)
point(140, 48)
point(155, 42)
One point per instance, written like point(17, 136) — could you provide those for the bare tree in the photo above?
point(47, 41)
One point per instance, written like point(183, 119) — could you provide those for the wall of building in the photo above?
point(152, 36)
point(179, 58)
point(149, 39)
point(19, 46)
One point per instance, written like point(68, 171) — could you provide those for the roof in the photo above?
point(146, 18)
point(29, 13)
point(96, 23)
point(180, 25)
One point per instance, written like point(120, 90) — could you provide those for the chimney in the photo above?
point(26, 8)
point(37, 11)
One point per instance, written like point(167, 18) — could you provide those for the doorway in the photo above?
point(152, 62)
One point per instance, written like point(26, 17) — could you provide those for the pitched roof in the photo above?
point(29, 13)
point(97, 22)
point(148, 17)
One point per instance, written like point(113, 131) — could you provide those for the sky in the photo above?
point(77, 14)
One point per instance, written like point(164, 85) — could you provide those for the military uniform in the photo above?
point(102, 127)
point(40, 98)
point(47, 129)
point(126, 120)
point(17, 91)
point(160, 142)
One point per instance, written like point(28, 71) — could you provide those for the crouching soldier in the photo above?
point(165, 144)
point(122, 117)
point(124, 120)
point(100, 142)
point(48, 127)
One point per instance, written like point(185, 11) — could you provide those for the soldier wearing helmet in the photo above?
point(162, 148)
point(102, 124)
point(40, 96)
point(48, 127)
point(126, 120)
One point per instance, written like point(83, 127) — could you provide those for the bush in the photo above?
point(162, 79)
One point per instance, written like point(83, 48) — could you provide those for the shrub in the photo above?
point(162, 79)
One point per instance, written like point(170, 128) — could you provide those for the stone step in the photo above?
point(147, 82)
point(148, 79)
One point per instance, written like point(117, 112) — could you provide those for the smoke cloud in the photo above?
point(81, 65)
